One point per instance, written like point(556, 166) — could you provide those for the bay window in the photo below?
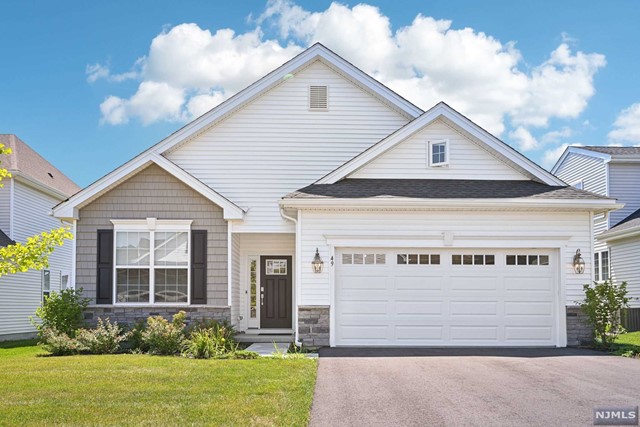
point(152, 260)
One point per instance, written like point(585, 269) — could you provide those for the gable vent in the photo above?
point(318, 98)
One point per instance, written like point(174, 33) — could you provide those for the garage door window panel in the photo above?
point(474, 259)
point(417, 259)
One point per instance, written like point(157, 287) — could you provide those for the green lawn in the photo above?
point(144, 390)
point(631, 339)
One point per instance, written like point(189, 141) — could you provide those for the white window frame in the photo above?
point(430, 145)
point(151, 225)
point(45, 273)
point(597, 271)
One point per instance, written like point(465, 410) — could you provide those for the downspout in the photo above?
point(297, 267)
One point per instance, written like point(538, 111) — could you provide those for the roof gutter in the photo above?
point(621, 234)
point(603, 205)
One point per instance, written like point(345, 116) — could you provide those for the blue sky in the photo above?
point(82, 83)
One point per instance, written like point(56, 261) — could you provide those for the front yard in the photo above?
point(145, 390)
point(628, 344)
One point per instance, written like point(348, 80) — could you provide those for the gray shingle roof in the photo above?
point(5, 240)
point(25, 160)
point(631, 221)
point(440, 189)
point(616, 151)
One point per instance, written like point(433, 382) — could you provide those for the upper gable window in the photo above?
point(438, 153)
point(318, 98)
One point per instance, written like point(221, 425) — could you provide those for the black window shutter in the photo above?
point(104, 276)
point(198, 266)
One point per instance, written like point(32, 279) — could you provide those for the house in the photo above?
point(614, 172)
point(319, 203)
point(26, 200)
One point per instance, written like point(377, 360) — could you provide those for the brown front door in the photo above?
point(276, 289)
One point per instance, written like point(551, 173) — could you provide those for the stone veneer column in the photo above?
point(579, 331)
point(313, 326)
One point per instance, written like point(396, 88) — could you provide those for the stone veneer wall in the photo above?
point(132, 315)
point(313, 326)
point(153, 193)
point(579, 332)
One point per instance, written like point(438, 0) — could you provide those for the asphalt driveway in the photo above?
point(465, 387)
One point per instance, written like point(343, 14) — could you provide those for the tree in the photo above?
point(34, 253)
point(602, 304)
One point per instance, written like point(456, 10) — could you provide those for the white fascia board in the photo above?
point(440, 109)
point(617, 235)
point(451, 204)
point(69, 209)
point(317, 51)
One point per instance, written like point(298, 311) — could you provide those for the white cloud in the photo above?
point(557, 135)
point(524, 139)
point(154, 101)
point(98, 71)
point(627, 125)
point(426, 61)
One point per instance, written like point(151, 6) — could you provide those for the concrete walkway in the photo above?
point(456, 387)
point(268, 348)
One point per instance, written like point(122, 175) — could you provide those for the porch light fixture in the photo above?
point(578, 263)
point(317, 263)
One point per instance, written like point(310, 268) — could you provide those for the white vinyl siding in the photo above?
point(624, 185)
point(259, 245)
point(275, 145)
point(624, 256)
point(409, 159)
point(5, 207)
point(21, 294)
point(485, 227)
point(590, 170)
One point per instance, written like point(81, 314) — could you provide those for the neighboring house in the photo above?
point(319, 203)
point(26, 200)
point(614, 172)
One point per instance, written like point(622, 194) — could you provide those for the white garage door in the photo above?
point(410, 297)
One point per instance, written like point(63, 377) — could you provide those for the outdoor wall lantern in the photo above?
point(578, 263)
point(317, 263)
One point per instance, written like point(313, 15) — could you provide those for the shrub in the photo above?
point(135, 342)
point(602, 305)
point(58, 343)
point(214, 341)
point(164, 337)
point(62, 312)
point(104, 339)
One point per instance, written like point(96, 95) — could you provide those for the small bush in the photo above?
point(163, 337)
point(58, 343)
point(136, 343)
point(104, 339)
point(602, 304)
point(213, 341)
point(61, 312)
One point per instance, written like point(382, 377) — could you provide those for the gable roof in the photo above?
point(25, 162)
point(607, 154)
point(69, 208)
point(5, 240)
point(628, 227)
point(224, 109)
point(441, 189)
point(474, 132)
